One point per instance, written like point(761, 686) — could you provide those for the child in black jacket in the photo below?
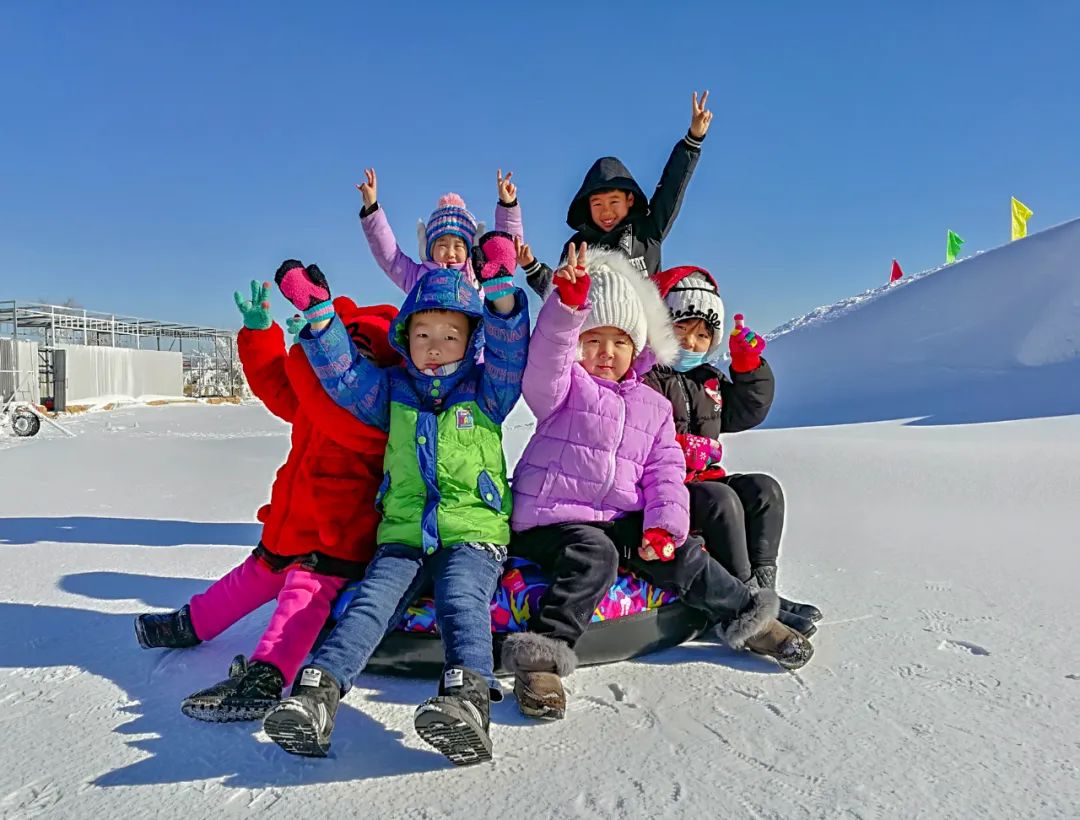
point(610, 209)
point(740, 516)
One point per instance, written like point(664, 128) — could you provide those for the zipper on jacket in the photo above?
point(686, 401)
point(613, 460)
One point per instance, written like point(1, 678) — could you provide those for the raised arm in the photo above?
point(553, 349)
point(261, 345)
point(350, 380)
point(402, 270)
point(506, 351)
point(508, 211)
point(667, 199)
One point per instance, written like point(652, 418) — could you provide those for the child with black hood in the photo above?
point(740, 517)
point(610, 209)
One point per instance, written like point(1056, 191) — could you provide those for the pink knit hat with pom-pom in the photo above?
point(450, 217)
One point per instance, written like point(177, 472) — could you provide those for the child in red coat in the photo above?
point(318, 529)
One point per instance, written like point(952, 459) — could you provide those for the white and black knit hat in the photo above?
point(621, 297)
point(696, 296)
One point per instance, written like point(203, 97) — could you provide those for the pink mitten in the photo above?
point(700, 451)
point(306, 288)
point(494, 258)
point(745, 347)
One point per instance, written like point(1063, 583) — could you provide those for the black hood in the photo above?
point(607, 173)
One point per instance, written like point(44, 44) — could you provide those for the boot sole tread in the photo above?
point(294, 730)
point(226, 713)
point(461, 742)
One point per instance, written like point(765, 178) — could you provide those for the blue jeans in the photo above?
point(465, 579)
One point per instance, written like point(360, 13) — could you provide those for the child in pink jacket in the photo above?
point(601, 482)
point(445, 241)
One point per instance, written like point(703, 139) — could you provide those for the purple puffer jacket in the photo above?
point(406, 271)
point(601, 449)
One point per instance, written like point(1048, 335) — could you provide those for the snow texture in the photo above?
point(946, 676)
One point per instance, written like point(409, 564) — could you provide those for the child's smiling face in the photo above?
point(437, 338)
point(608, 208)
point(607, 353)
point(449, 250)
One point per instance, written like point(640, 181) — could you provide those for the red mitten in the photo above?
point(661, 543)
point(745, 347)
point(573, 294)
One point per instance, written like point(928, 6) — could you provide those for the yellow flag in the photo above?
point(1020, 215)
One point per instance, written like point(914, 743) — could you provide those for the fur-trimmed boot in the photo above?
point(765, 578)
point(166, 630)
point(250, 691)
point(538, 663)
point(457, 720)
point(757, 629)
point(301, 724)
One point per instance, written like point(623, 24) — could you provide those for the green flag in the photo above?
point(952, 248)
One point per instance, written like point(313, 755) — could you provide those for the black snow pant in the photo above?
point(741, 518)
point(583, 560)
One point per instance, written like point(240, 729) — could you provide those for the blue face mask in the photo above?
point(687, 360)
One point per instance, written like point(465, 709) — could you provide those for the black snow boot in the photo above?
point(456, 721)
point(250, 691)
point(765, 578)
point(804, 626)
point(167, 630)
point(301, 724)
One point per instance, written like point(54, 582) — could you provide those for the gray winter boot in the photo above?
point(457, 720)
point(539, 663)
point(301, 724)
point(757, 629)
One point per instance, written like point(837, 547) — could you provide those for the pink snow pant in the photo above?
point(303, 597)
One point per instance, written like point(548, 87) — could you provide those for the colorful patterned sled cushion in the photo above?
point(519, 592)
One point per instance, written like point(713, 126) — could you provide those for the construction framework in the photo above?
point(209, 354)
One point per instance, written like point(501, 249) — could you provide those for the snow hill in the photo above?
point(992, 337)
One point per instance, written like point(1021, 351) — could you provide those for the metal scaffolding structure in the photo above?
point(209, 354)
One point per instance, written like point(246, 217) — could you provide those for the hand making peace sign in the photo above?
point(571, 280)
point(699, 116)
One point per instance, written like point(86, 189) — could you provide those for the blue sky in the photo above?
point(156, 156)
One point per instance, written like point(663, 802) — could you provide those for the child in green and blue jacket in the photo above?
point(445, 499)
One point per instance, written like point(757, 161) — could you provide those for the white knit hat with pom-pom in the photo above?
point(621, 297)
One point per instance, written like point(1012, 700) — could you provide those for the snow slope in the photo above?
point(946, 681)
point(992, 337)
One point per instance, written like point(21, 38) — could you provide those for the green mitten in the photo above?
point(295, 324)
point(256, 311)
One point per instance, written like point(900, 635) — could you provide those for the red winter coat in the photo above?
point(322, 504)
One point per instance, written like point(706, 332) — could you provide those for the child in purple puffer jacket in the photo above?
point(601, 482)
point(445, 241)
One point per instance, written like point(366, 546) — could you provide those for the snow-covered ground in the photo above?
point(946, 681)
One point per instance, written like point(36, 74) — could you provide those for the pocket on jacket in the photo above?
point(546, 487)
point(489, 492)
point(384, 485)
